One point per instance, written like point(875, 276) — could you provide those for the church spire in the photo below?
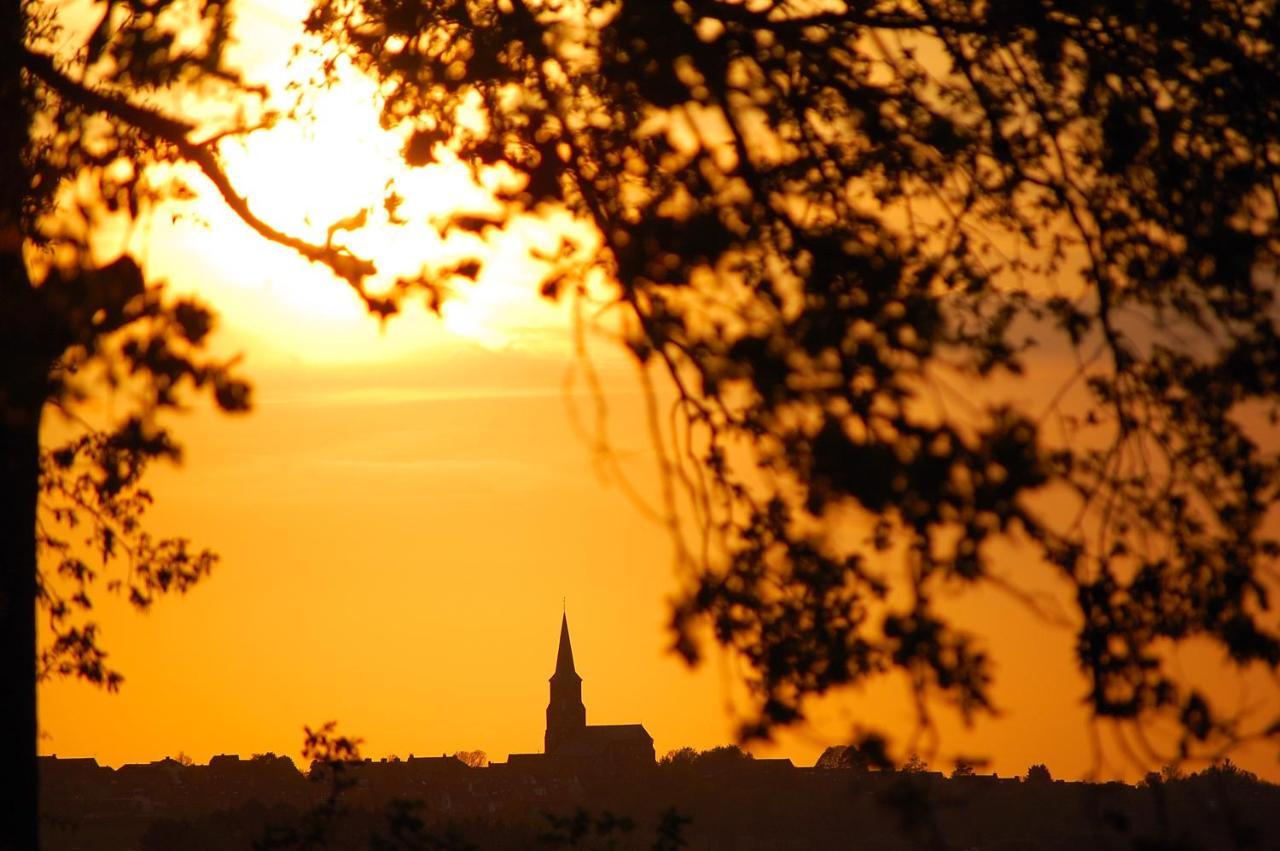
point(566, 716)
point(564, 657)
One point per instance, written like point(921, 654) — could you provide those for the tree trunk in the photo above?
point(26, 355)
point(27, 352)
point(23, 384)
point(19, 483)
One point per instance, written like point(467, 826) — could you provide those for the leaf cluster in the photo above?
point(114, 332)
point(823, 220)
point(98, 103)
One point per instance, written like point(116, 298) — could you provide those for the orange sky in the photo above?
point(402, 514)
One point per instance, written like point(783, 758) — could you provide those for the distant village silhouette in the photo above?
point(603, 781)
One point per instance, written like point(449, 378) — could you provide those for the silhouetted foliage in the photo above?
point(473, 759)
point(868, 753)
point(1226, 770)
point(914, 765)
point(584, 830)
point(670, 832)
point(820, 220)
point(330, 756)
point(406, 831)
point(718, 757)
point(1038, 773)
point(721, 755)
point(679, 756)
point(92, 100)
point(841, 229)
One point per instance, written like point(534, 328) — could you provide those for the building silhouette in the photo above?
point(569, 735)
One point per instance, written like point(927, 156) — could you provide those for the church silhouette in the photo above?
point(568, 734)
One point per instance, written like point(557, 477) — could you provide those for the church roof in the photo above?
point(604, 740)
point(564, 656)
point(617, 733)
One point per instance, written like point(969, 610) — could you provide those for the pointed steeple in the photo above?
point(564, 657)
point(566, 716)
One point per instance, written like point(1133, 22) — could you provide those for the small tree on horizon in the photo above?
point(722, 756)
point(914, 765)
point(679, 756)
point(1038, 774)
point(1226, 769)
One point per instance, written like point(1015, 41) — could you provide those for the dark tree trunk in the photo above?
point(23, 385)
point(26, 355)
point(19, 481)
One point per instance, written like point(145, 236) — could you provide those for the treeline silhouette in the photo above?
point(716, 799)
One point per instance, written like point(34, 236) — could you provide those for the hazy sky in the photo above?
point(403, 513)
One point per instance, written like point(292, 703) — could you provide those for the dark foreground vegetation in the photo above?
point(721, 803)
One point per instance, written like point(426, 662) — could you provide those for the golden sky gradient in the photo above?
point(404, 511)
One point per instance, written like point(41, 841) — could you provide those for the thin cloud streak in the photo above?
point(389, 395)
point(438, 465)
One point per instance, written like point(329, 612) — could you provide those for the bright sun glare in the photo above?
point(303, 178)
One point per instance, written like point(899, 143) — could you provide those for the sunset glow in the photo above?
point(413, 502)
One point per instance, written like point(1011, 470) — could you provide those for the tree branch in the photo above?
point(848, 18)
point(160, 127)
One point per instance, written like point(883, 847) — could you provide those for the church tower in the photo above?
point(566, 716)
